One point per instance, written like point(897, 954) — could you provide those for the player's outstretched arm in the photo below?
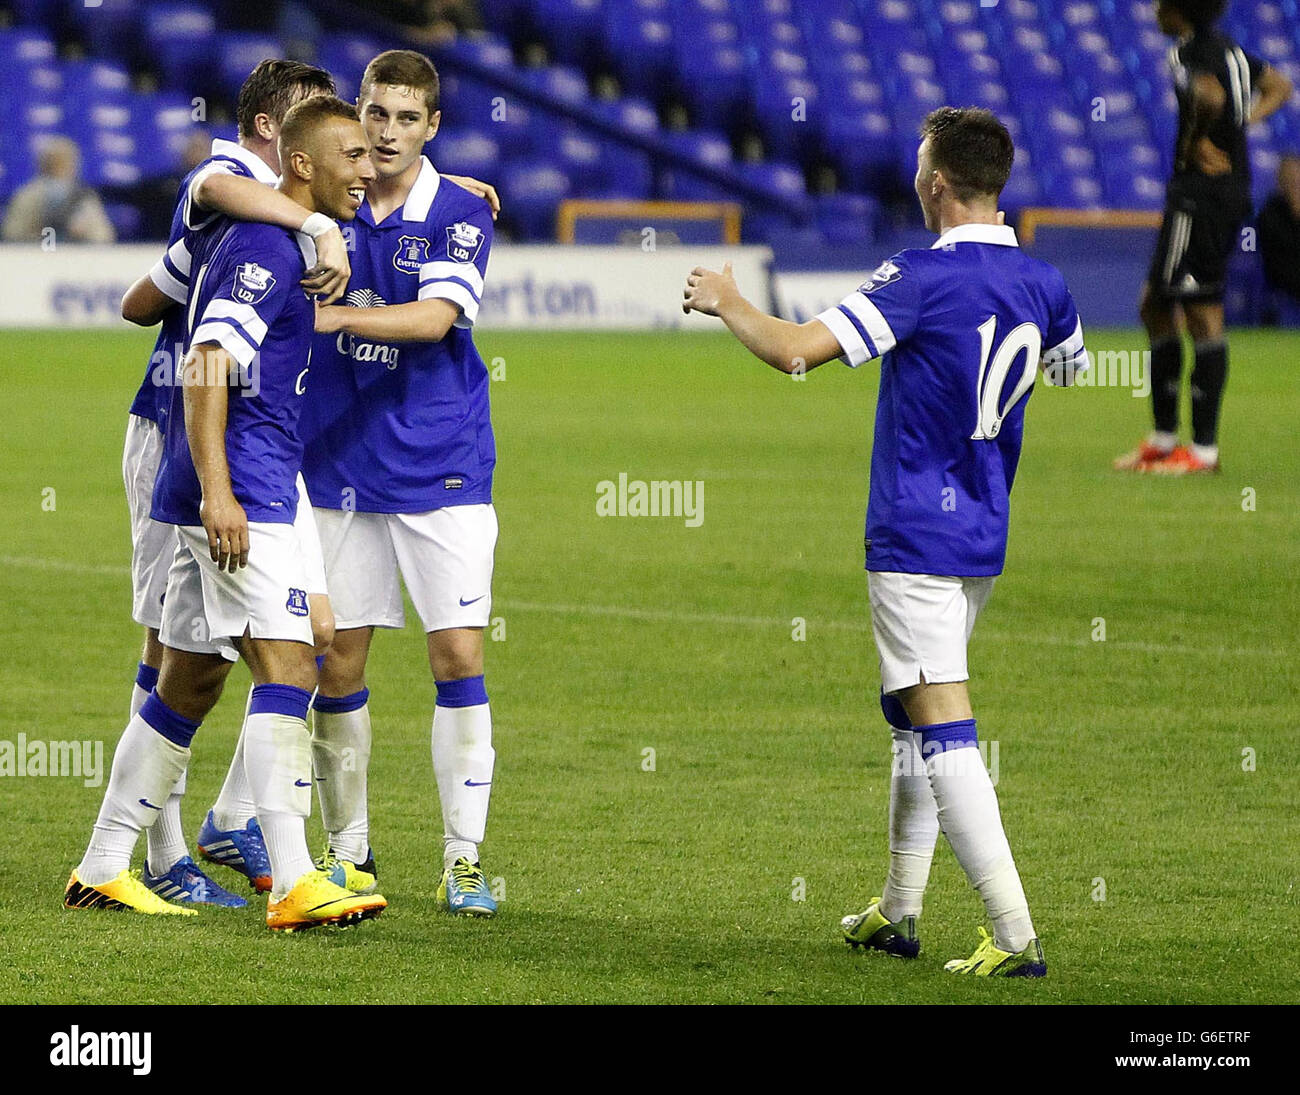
point(418, 321)
point(789, 347)
point(1275, 89)
point(144, 303)
point(486, 191)
point(205, 376)
point(247, 199)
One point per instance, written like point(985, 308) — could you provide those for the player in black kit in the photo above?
point(1221, 90)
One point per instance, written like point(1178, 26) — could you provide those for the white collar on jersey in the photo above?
point(261, 172)
point(418, 201)
point(1001, 234)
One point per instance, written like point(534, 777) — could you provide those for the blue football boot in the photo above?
point(185, 884)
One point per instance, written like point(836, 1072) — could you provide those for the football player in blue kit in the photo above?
point(398, 461)
point(963, 328)
point(237, 582)
point(238, 179)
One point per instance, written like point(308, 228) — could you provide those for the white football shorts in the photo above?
point(444, 557)
point(207, 608)
point(922, 623)
point(152, 543)
point(304, 523)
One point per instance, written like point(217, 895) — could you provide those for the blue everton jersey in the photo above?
point(404, 427)
point(171, 274)
point(964, 328)
point(245, 296)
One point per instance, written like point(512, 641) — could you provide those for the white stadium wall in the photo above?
point(532, 288)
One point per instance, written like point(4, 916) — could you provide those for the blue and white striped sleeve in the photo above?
point(876, 317)
point(192, 215)
point(171, 273)
point(459, 262)
point(251, 293)
point(1065, 357)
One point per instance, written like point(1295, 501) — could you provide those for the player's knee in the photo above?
point(194, 693)
point(322, 635)
point(456, 654)
point(1204, 325)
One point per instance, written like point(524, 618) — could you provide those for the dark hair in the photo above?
point(1200, 13)
point(972, 149)
point(305, 115)
point(273, 87)
point(403, 68)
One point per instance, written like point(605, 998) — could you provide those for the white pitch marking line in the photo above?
point(719, 619)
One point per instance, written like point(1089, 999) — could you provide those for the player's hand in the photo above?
point(707, 290)
point(226, 524)
point(330, 319)
point(328, 279)
point(486, 191)
point(1210, 159)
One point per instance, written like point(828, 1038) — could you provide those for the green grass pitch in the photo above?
point(1160, 859)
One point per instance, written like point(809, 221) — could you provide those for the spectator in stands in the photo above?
point(57, 199)
point(156, 198)
point(1279, 244)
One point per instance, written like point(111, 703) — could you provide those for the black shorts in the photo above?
point(1200, 231)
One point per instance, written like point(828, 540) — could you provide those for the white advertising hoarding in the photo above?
point(800, 296)
point(528, 287)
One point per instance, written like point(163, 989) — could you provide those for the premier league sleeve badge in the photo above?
point(464, 241)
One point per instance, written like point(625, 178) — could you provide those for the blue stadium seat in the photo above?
point(531, 191)
point(238, 54)
point(581, 158)
point(125, 219)
point(707, 147)
point(25, 46)
point(571, 27)
point(178, 38)
point(848, 219)
point(345, 57)
point(162, 124)
point(713, 81)
point(466, 152)
point(111, 28)
point(628, 171)
point(862, 148)
point(561, 82)
point(639, 36)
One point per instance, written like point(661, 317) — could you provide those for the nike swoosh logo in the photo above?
point(465, 604)
point(300, 783)
point(145, 802)
point(471, 783)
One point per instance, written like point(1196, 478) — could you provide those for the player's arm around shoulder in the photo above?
point(786, 346)
point(448, 291)
point(243, 198)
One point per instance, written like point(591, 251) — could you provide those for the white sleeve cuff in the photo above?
point(855, 350)
point(456, 293)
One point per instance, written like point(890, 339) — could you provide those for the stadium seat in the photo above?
point(238, 54)
point(466, 152)
point(345, 57)
point(847, 219)
point(708, 148)
point(177, 39)
point(531, 193)
point(571, 28)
